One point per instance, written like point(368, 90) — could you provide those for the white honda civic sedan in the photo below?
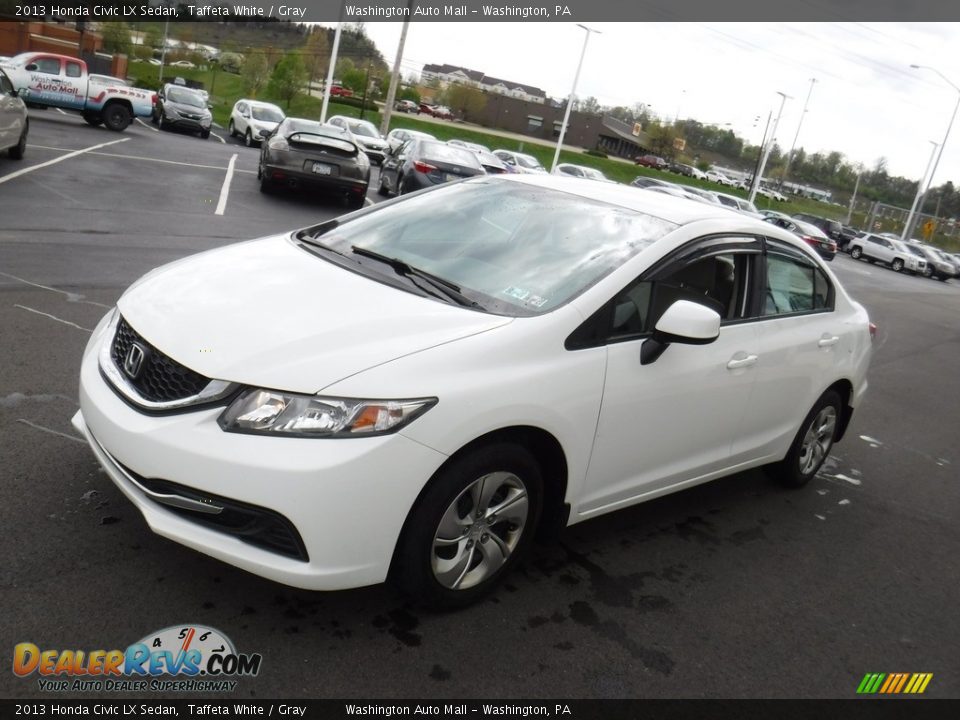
point(410, 391)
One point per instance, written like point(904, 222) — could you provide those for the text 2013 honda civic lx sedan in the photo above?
point(409, 391)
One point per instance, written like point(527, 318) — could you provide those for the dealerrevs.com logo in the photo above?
point(181, 658)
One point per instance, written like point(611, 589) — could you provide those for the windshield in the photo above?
point(267, 114)
point(186, 97)
point(515, 249)
point(528, 161)
point(594, 174)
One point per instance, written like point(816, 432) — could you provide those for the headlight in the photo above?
point(268, 412)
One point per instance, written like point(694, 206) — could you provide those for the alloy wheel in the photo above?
point(818, 440)
point(479, 530)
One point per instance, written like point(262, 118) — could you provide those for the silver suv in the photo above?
point(13, 120)
point(888, 251)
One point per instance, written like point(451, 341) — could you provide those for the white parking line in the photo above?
point(219, 138)
point(50, 430)
point(71, 297)
point(148, 127)
point(149, 159)
point(69, 155)
point(225, 190)
point(60, 111)
point(53, 317)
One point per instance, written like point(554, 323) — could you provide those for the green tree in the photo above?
point(662, 138)
point(316, 54)
point(354, 78)
point(116, 38)
point(255, 72)
point(468, 102)
point(589, 105)
point(152, 38)
point(288, 78)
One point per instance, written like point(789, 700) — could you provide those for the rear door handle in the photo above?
point(741, 360)
point(828, 340)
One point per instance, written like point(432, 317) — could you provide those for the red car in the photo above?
point(652, 161)
point(437, 111)
point(341, 91)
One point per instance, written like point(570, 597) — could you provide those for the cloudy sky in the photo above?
point(867, 101)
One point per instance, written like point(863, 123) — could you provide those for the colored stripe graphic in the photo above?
point(894, 683)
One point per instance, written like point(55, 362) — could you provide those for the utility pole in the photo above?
point(395, 75)
point(573, 92)
point(766, 152)
point(793, 147)
point(332, 68)
point(853, 198)
point(908, 225)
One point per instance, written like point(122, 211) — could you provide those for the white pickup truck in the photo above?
point(48, 80)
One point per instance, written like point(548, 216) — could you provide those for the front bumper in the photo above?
point(346, 499)
point(186, 123)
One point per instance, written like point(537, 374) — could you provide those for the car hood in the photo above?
point(191, 109)
point(371, 142)
point(270, 314)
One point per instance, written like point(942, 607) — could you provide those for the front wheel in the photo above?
point(116, 117)
point(927, 271)
point(204, 134)
point(856, 253)
point(232, 129)
point(248, 138)
point(896, 265)
point(92, 119)
point(474, 521)
point(812, 444)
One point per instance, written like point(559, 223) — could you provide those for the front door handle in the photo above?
point(741, 360)
point(827, 340)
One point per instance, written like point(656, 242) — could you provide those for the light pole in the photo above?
point(803, 114)
point(912, 219)
point(907, 231)
point(573, 92)
point(769, 147)
point(676, 118)
point(853, 198)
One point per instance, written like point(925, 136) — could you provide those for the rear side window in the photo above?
point(794, 285)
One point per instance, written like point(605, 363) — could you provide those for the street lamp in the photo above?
point(573, 91)
point(767, 149)
point(911, 220)
point(920, 192)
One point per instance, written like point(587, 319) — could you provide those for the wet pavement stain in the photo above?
point(744, 536)
point(109, 520)
point(403, 625)
point(440, 674)
point(583, 614)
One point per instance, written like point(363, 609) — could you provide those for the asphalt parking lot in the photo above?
point(733, 589)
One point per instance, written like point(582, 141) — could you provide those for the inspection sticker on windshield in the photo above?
point(536, 301)
point(516, 293)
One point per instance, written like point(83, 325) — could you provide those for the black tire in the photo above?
point(807, 453)
point(232, 128)
point(896, 265)
point(248, 138)
point(154, 117)
point(93, 119)
point(204, 134)
point(382, 189)
point(17, 151)
point(266, 187)
point(116, 117)
point(487, 547)
point(856, 253)
point(927, 271)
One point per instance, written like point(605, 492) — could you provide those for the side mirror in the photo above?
point(31, 67)
point(684, 322)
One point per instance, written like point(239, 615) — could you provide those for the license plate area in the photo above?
point(321, 168)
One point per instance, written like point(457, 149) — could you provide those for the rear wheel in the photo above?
point(897, 265)
point(265, 185)
point(812, 444)
point(93, 119)
point(382, 189)
point(18, 150)
point(116, 117)
point(856, 253)
point(473, 522)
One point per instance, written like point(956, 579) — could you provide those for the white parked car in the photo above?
point(580, 171)
point(183, 64)
point(521, 163)
point(254, 120)
point(718, 177)
point(473, 362)
point(366, 134)
point(888, 251)
point(14, 123)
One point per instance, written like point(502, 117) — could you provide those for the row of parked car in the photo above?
point(658, 163)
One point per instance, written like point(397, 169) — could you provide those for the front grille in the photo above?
point(260, 527)
point(160, 379)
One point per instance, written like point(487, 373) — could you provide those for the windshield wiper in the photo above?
point(401, 267)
